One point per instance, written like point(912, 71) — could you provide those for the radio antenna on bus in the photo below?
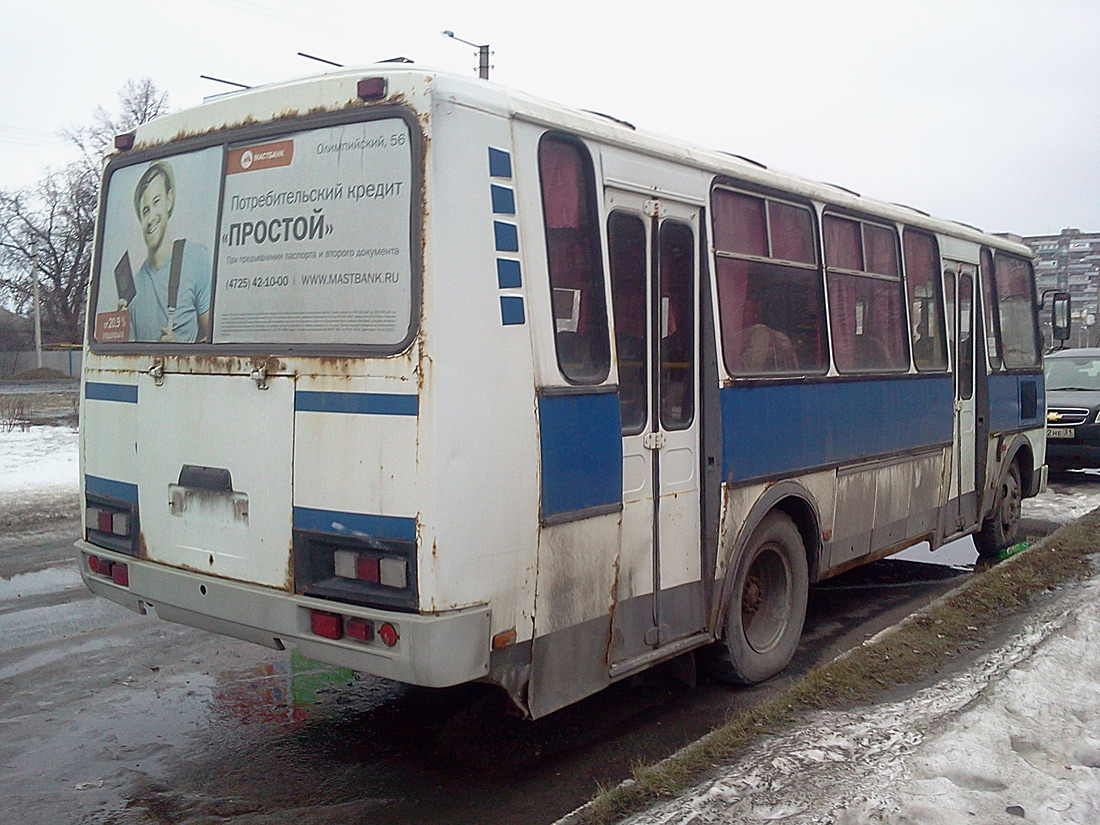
point(227, 82)
point(321, 60)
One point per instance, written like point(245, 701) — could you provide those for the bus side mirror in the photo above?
point(1060, 317)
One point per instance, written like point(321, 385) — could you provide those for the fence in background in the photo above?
point(13, 362)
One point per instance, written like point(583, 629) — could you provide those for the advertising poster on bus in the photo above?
point(315, 238)
point(156, 271)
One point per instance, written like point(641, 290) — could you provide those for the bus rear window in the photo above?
point(301, 239)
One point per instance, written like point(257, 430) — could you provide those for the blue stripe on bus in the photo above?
point(505, 237)
point(508, 274)
point(580, 438)
point(776, 429)
point(504, 200)
point(97, 391)
point(360, 403)
point(355, 524)
point(121, 490)
point(500, 163)
point(1006, 397)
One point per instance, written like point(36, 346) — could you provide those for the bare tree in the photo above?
point(55, 222)
point(139, 102)
point(56, 219)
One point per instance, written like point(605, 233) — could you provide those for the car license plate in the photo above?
point(1059, 432)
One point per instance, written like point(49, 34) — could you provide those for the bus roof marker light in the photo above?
point(124, 142)
point(371, 88)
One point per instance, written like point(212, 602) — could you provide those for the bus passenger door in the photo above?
point(959, 281)
point(654, 260)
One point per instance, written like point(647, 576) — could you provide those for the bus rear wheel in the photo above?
point(767, 605)
point(1000, 527)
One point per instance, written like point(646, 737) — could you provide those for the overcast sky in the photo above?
point(983, 111)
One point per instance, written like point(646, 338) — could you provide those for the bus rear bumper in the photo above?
point(436, 650)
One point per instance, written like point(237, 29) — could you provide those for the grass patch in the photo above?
point(963, 620)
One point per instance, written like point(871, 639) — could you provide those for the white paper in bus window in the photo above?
point(567, 309)
point(315, 238)
point(155, 267)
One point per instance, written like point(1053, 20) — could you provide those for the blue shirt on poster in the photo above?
point(149, 307)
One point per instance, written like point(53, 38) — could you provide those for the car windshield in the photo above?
point(1073, 374)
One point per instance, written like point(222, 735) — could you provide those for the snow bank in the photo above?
point(1018, 735)
point(39, 476)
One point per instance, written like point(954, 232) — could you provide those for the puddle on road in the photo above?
point(283, 692)
point(40, 582)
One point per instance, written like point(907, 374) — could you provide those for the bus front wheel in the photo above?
point(767, 605)
point(1000, 527)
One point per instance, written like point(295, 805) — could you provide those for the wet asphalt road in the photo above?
point(109, 717)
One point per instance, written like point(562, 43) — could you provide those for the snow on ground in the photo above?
point(1069, 500)
point(1016, 738)
point(39, 457)
point(39, 477)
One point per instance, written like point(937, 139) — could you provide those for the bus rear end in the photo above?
point(253, 379)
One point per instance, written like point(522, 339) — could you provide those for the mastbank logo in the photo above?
point(261, 156)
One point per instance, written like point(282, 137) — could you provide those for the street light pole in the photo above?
point(37, 305)
point(482, 54)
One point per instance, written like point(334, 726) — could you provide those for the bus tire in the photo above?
point(767, 605)
point(1000, 527)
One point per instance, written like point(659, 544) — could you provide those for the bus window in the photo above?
point(574, 260)
point(865, 296)
point(966, 337)
point(925, 301)
point(626, 240)
point(1014, 290)
point(989, 300)
point(771, 304)
point(677, 277)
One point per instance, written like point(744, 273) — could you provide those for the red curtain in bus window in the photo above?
point(792, 233)
point(842, 314)
point(739, 223)
point(561, 185)
point(843, 248)
point(867, 323)
point(888, 323)
point(881, 248)
point(922, 268)
point(735, 315)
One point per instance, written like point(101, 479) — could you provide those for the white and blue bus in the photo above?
point(444, 383)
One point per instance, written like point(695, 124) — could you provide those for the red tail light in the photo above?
point(326, 625)
point(120, 574)
point(388, 634)
point(359, 629)
point(117, 572)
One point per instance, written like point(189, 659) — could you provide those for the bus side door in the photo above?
point(654, 259)
point(959, 283)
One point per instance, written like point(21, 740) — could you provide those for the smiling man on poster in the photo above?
point(169, 296)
